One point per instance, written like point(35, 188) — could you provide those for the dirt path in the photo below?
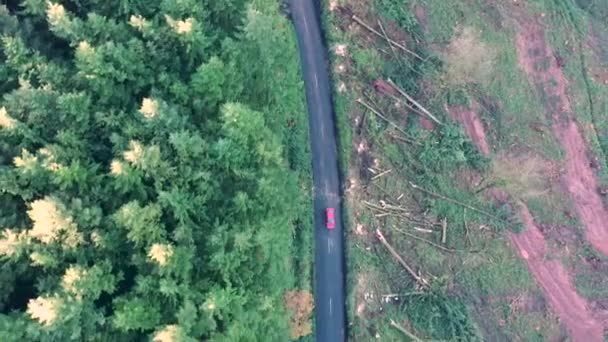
point(578, 176)
point(551, 275)
point(472, 126)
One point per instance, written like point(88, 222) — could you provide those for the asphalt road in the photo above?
point(329, 251)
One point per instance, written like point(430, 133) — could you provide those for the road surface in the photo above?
point(329, 252)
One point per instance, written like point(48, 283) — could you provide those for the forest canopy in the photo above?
point(152, 160)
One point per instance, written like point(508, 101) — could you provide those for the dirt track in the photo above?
point(551, 275)
point(578, 177)
point(472, 126)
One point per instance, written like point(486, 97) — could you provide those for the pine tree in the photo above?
point(145, 189)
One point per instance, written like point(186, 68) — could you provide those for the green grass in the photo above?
point(485, 274)
point(537, 326)
point(518, 108)
point(549, 211)
point(589, 99)
point(590, 269)
point(591, 284)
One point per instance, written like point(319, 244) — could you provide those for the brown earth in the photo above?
point(426, 124)
point(578, 176)
point(301, 305)
point(555, 281)
point(551, 275)
point(422, 17)
point(601, 76)
point(472, 126)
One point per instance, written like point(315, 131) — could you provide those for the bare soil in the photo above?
point(551, 275)
point(422, 17)
point(426, 124)
point(472, 125)
point(578, 176)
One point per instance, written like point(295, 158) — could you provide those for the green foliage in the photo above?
point(142, 223)
point(150, 173)
point(398, 11)
point(136, 314)
point(450, 149)
point(596, 8)
point(368, 62)
point(441, 316)
point(208, 82)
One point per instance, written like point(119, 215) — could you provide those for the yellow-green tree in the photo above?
point(146, 189)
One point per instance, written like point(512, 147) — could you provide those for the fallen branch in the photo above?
point(371, 109)
point(391, 42)
point(450, 250)
point(446, 249)
point(396, 208)
point(419, 279)
point(373, 206)
point(407, 105)
point(394, 136)
point(444, 230)
point(428, 224)
point(406, 294)
point(383, 173)
point(404, 331)
point(409, 98)
point(466, 227)
point(422, 230)
point(395, 56)
point(388, 40)
point(451, 200)
point(385, 209)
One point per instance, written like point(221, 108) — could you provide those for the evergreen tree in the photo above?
point(145, 184)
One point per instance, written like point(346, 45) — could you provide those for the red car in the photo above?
point(330, 218)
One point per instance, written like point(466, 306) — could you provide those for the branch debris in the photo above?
point(388, 40)
point(373, 110)
point(385, 209)
point(391, 42)
point(451, 200)
point(416, 275)
point(450, 250)
point(444, 230)
point(404, 331)
point(383, 173)
point(410, 99)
